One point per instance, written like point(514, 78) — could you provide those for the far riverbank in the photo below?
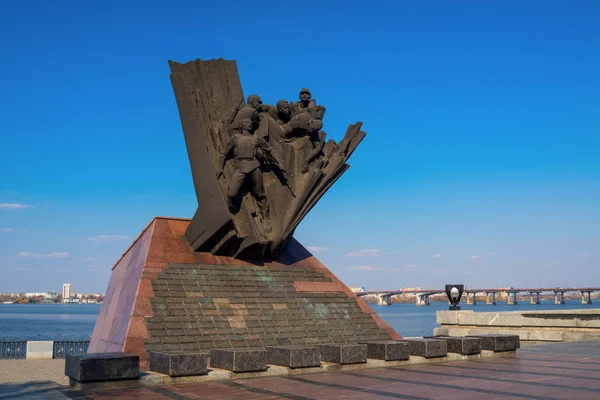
point(76, 321)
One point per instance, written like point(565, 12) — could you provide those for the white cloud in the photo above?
point(365, 268)
point(21, 269)
point(365, 253)
point(474, 257)
point(107, 238)
point(410, 265)
point(96, 268)
point(89, 259)
point(492, 254)
point(25, 254)
point(5, 229)
point(436, 255)
point(64, 270)
point(14, 206)
point(316, 249)
point(585, 256)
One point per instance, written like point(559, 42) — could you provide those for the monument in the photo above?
point(233, 277)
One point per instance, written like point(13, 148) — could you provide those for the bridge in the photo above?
point(422, 296)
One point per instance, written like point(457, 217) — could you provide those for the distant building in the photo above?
point(66, 292)
point(361, 289)
point(30, 295)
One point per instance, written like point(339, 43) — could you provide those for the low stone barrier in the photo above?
point(530, 326)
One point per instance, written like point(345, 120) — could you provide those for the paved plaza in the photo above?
point(549, 371)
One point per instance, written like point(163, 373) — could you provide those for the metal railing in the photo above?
point(13, 349)
point(63, 347)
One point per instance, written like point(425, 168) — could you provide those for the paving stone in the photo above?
point(427, 348)
point(294, 356)
point(179, 364)
point(344, 353)
point(499, 342)
point(97, 367)
point(388, 350)
point(239, 360)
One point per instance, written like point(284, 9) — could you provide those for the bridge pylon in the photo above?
point(589, 296)
point(537, 298)
point(559, 296)
point(423, 298)
point(491, 301)
point(384, 299)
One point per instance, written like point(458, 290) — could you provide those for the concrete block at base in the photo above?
point(497, 319)
point(387, 350)
point(466, 317)
point(348, 353)
point(499, 342)
point(441, 332)
point(40, 350)
point(446, 317)
point(427, 348)
point(179, 364)
point(463, 345)
point(294, 356)
point(98, 367)
point(239, 360)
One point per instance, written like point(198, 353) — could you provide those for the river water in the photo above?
point(76, 321)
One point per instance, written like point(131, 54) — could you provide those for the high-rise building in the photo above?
point(66, 292)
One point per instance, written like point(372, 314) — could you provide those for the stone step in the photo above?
point(346, 353)
point(497, 342)
point(294, 356)
point(101, 367)
point(428, 348)
point(461, 344)
point(179, 363)
point(388, 350)
point(239, 360)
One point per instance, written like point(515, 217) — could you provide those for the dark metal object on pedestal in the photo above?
point(454, 293)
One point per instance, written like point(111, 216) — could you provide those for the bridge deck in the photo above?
point(549, 371)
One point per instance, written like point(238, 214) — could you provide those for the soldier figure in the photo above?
point(244, 146)
point(251, 111)
point(306, 103)
point(307, 120)
point(281, 113)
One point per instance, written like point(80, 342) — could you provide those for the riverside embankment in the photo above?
point(531, 326)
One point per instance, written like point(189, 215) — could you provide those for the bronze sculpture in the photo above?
point(306, 119)
point(244, 145)
point(253, 222)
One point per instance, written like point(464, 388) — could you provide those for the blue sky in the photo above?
point(480, 163)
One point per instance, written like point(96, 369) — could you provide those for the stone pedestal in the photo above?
point(101, 367)
point(239, 360)
point(388, 350)
point(427, 348)
point(185, 364)
point(163, 297)
point(344, 353)
point(294, 356)
point(499, 342)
